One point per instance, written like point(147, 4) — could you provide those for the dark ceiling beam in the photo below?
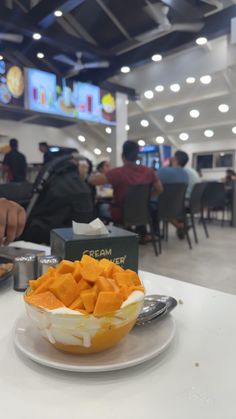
point(43, 13)
point(185, 10)
point(113, 18)
point(20, 23)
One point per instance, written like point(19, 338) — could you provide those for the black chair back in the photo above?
point(136, 205)
point(214, 195)
point(171, 201)
point(196, 199)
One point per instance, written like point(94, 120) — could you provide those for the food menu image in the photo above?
point(108, 108)
point(11, 84)
point(41, 91)
point(88, 102)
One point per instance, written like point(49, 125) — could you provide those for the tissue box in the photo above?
point(120, 246)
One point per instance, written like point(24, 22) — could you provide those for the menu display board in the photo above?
point(49, 94)
point(12, 84)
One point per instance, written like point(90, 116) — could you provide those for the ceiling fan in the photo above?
point(78, 65)
point(11, 37)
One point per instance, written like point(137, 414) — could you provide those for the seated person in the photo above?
point(104, 191)
point(122, 177)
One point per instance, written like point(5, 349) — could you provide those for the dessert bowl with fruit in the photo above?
point(85, 306)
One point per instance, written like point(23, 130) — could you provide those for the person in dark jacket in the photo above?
point(47, 155)
point(14, 163)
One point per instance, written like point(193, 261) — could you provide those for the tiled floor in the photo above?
point(211, 263)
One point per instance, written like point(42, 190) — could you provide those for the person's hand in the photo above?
point(12, 220)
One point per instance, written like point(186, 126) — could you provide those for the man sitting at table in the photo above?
point(122, 177)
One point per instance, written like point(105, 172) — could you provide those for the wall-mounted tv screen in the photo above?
point(12, 84)
point(47, 93)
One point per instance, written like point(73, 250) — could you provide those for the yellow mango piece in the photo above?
point(44, 285)
point(88, 260)
point(91, 272)
point(89, 298)
point(77, 272)
point(82, 285)
point(44, 300)
point(107, 302)
point(103, 284)
point(65, 288)
point(122, 278)
point(77, 304)
point(107, 266)
point(133, 276)
point(65, 266)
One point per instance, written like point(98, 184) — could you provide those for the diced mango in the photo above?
point(89, 298)
point(77, 304)
point(77, 272)
point(82, 285)
point(88, 260)
point(108, 266)
point(91, 272)
point(133, 276)
point(107, 302)
point(44, 300)
point(65, 266)
point(65, 288)
point(122, 278)
point(44, 285)
point(103, 284)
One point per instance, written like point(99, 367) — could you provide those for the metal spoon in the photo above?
point(155, 306)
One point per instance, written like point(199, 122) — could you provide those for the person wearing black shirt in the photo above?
point(47, 155)
point(14, 163)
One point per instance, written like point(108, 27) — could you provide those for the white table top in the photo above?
point(170, 386)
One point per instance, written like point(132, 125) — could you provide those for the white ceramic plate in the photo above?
point(141, 344)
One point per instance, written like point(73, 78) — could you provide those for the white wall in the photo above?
point(210, 145)
point(29, 135)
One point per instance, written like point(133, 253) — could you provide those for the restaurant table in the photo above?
point(192, 379)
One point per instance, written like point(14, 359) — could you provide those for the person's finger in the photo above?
point(12, 220)
point(21, 221)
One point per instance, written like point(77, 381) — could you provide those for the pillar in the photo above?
point(119, 133)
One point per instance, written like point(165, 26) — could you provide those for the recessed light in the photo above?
point(201, 41)
point(125, 69)
point(37, 36)
point(58, 13)
point(156, 57)
point(97, 151)
point(144, 123)
point(81, 138)
point(108, 130)
point(234, 130)
point(194, 113)
point(160, 139)
point(40, 55)
point(183, 136)
point(1, 57)
point(149, 94)
point(159, 88)
point(190, 80)
point(127, 101)
point(109, 149)
point(223, 108)
point(141, 143)
point(127, 127)
point(175, 87)
point(169, 118)
point(208, 133)
point(206, 79)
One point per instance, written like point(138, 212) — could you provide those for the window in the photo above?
point(214, 160)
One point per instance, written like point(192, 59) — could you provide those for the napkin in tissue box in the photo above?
point(98, 241)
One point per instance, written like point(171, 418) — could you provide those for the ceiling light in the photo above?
point(109, 149)
point(223, 108)
point(125, 69)
point(201, 41)
point(97, 151)
point(81, 138)
point(159, 88)
point(40, 55)
point(156, 57)
point(190, 80)
point(183, 136)
point(127, 127)
point(234, 130)
point(160, 140)
point(169, 118)
point(127, 101)
point(108, 130)
point(1, 57)
point(208, 133)
point(175, 87)
point(194, 113)
point(141, 143)
point(144, 123)
point(149, 94)
point(206, 79)
point(58, 13)
point(37, 36)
